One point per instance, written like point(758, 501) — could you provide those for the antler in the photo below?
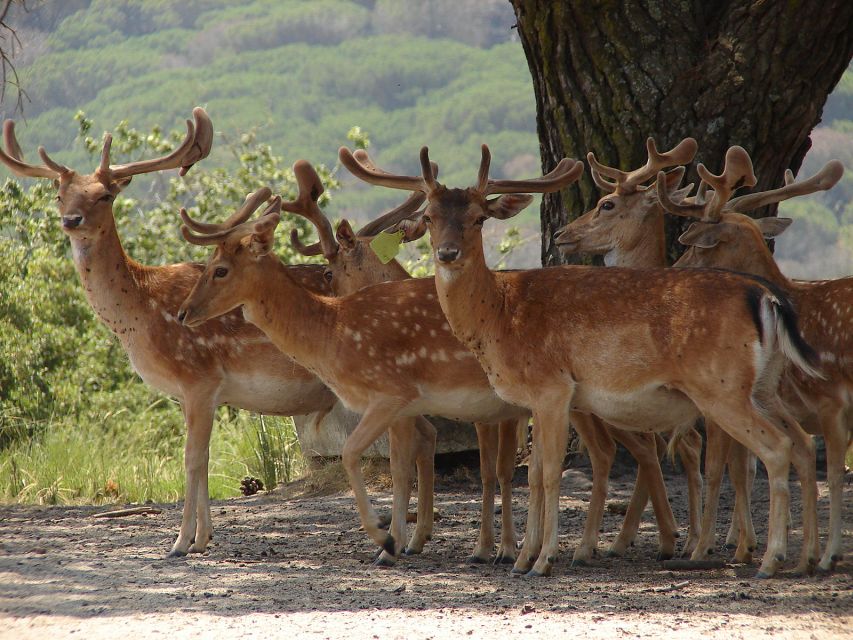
point(566, 172)
point(737, 172)
point(305, 205)
point(196, 145)
point(823, 180)
point(210, 230)
point(629, 182)
point(14, 159)
point(365, 170)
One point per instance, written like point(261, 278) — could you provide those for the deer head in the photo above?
point(620, 219)
point(454, 217)
point(729, 238)
point(85, 200)
point(241, 248)
point(352, 264)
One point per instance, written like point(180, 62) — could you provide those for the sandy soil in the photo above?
point(302, 567)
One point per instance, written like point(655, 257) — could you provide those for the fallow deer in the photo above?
point(626, 227)
point(386, 351)
point(226, 362)
point(727, 238)
point(645, 350)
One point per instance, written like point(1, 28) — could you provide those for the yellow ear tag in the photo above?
point(387, 245)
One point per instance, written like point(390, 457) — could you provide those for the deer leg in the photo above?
point(689, 447)
point(401, 449)
point(716, 453)
point(533, 534)
point(803, 459)
point(643, 447)
point(425, 460)
point(552, 432)
point(741, 461)
point(195, 531)
point(507, 447)
point(836, 434)
point(373, 423)
point(602, 451)
point(749, 427)
point(487, 438)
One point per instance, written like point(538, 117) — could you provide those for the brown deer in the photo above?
point(725, 237)
point(386, 351)
point(353, 265)
point(626, 227)
point(623, 344)
point(225, 362)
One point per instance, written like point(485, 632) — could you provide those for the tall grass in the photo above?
point(104, 462)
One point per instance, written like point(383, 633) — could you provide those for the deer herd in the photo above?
point(621, 354)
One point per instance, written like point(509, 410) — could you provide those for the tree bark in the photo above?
point(608, 74)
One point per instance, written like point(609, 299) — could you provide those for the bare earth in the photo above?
point(302, 568)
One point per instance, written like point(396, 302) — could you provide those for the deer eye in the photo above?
point(220, 272)
point(607, 205)
point(328, 275)
point(426, 219)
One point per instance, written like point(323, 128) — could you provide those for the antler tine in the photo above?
point(597, 178)
point(305, 249)
point(483, 173)
point(695, 210)
point(426, 169)
point(14, 159)
point(565, 173)
point(737, 172)
point(202, 141)
point(305, 205)
point(249, 206)
point(372, 175)
point(198, 239)
point(52, 164)
point(682, 153)
point(823, 180)
point(404, 211)
point(170, 161)
point(104, 166)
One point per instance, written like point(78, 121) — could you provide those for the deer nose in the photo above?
point(71, 222)
point(447, 254)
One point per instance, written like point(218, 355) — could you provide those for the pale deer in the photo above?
point(645, 350)
point(626, 227)
point(225, 362)
point(727, 238)
point(386, 351)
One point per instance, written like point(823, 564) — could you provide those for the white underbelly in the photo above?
point(263, 393)
point(472, 404)
point(648, 409)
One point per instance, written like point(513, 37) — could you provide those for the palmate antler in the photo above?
point(626, 182)
point(237, 224)
point(737, 173)
point(196, 146)
point(566, 172)
point(310, 189)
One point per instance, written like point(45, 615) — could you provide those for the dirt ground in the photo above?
point(302, 567)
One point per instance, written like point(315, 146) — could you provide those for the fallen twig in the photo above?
point(673, 587)
point(132, 511)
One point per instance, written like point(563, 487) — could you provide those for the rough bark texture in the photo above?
point(608, 73)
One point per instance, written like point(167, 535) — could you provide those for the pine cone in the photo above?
point(249, 486)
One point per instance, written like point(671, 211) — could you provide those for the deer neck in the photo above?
point(471, 300)
point(109, 277)
point(300, 323)
point(647, 249)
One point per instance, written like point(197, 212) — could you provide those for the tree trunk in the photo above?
point(608, 74)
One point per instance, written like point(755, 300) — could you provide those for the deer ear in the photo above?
point(117, 186)
point(772, 226)
point(345, 235)
point(262, 239)
point(702, 234)
point(508, 205)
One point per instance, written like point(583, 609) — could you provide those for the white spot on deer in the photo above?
point(375, 322)
point(371, 352)
point(406, 358)
point(422, 352)
point(430, 296)
point(445, 327)
point(407, 313)
point(461, 355)
point(395, 324)
point(432, 333)
point(417, 327)
point(356, 336)
point(827, 357)
point(439, 356)
point(152, 302)
point(168, 317)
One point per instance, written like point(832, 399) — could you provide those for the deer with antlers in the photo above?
point(226, 362)
point(724, 236)
point(386, 350)
point(622, 344)
point(626, 227)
